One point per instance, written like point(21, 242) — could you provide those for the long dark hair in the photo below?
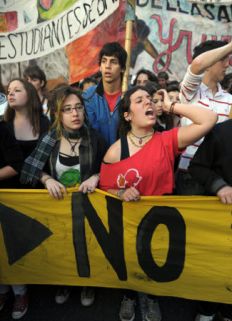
point(33, 106)
point(124, 106)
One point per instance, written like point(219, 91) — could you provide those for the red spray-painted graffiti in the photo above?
point(173, 45)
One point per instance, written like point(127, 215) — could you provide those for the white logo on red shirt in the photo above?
point(130, 178)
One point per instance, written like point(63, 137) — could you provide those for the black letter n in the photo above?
point(111, 242)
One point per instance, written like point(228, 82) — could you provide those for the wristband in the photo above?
point(120, 192)
point(46, 179)
point(171, 109)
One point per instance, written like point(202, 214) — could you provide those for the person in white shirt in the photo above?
point(201, 85)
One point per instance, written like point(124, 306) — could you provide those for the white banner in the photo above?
point(171, 29)
point(56, 33)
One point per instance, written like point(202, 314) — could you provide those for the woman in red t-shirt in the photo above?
point(141, 162)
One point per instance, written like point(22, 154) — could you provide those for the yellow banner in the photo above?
point(170, 245)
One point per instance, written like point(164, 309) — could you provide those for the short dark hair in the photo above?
point(116, 50)
point(35, 72)
point(152, 87)
point(163, 74)
point(173, 86)
point(208, 45)
point(150, 75)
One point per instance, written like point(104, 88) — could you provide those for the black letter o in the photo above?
point(175, 224)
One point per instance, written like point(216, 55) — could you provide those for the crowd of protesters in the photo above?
point(89, 132)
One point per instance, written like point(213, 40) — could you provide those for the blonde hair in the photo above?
point(55, 104)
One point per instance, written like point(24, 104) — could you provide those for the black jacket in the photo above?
point(212, 163)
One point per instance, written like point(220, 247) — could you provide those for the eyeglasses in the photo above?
point(69, 109)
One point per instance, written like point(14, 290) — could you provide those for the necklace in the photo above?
point(73, 146)
point(140, 138)
point(134, 143)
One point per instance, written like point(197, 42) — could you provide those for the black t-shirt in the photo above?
point(10, 154)
point(26, 147)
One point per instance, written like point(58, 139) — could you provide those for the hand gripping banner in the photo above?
point(170, 245)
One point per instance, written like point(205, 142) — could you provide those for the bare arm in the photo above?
point(203, 120)
point(7, 172)
point(208, 58)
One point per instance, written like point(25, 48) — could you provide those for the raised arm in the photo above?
point(208, 58)
point(202, 120)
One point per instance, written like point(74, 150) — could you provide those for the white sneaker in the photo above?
point(62, 295)
point(153, 310)
point(202, 317)
point(127, 309)
point(87, 296)
point(20, 306)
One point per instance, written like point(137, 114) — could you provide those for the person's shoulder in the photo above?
point(168, 134)
point(226, 96)
point(89, 92)
point(191, 73)
point(6, 132)
point(8, 126)
point(113, 153)
point(225, 125)
point(3, 124)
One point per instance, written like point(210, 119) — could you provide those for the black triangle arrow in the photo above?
point(21, 233)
